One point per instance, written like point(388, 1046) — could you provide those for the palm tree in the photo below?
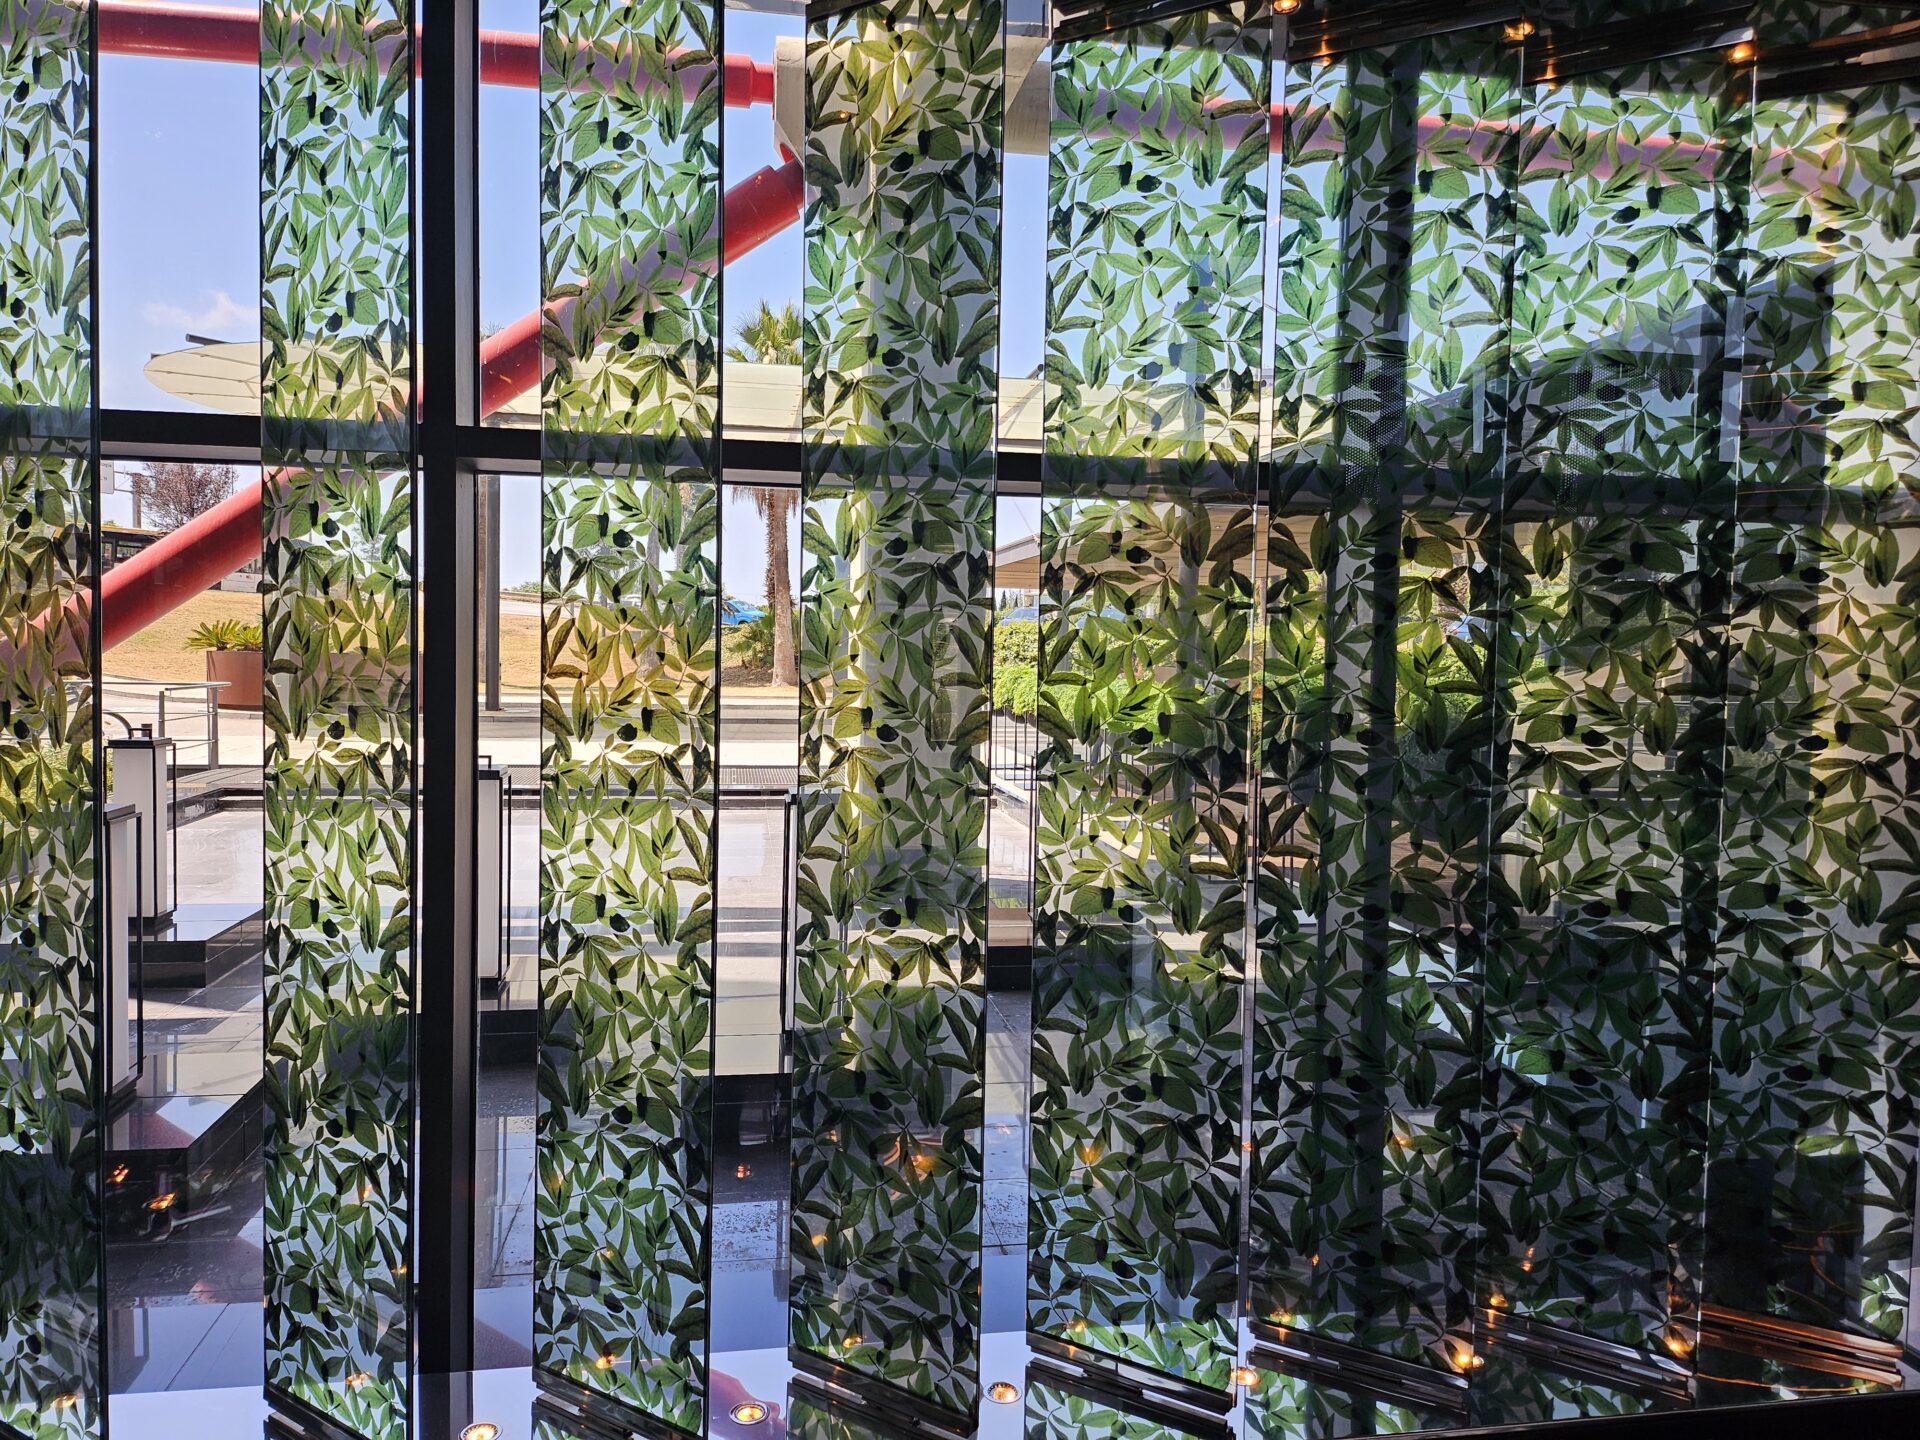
point(772, 337)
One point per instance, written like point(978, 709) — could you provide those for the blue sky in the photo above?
point(179, 232)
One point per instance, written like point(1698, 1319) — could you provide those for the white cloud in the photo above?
point(220, 316)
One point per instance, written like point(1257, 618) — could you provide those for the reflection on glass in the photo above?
point(902, 233)
point(1145, 706)
point(1811, 1189)
point(1374, 724)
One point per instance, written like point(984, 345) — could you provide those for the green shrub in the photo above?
point(225, 635)
point(1016, 666)
point(752, 643)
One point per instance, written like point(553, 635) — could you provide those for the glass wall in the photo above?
point(1185, 718)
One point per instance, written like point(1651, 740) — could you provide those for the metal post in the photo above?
point(449, 374)
point(490, 585)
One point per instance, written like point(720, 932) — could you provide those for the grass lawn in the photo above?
point(160, 651)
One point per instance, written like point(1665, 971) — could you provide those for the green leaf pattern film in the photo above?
point(1157, 199)
point(1816, 1023)
point(1391, 254)
point(52, 1365)
point(630, 185)
point(901, 327)
point(1584, 861)
point(337, 617)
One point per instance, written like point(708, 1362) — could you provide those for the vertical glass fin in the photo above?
point(1158, 202)
point(904, 105)
point(337, 403)
point(52, 1339)
point(630, 214)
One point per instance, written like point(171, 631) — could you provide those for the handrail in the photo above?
point(161, 689)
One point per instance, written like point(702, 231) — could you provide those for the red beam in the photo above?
point(213, 32)
point(208, 548)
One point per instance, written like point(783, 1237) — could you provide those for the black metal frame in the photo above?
point(447, 339)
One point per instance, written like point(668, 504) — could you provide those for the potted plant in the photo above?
point(233, 655)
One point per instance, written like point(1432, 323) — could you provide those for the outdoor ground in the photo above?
point(160, 652)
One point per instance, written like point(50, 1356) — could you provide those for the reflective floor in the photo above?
point(184, 1260)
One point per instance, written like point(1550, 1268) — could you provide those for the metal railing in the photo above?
point(170, 712)
point(1015, 741)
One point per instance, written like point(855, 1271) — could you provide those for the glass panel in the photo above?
point(1607, 757)
point(903, 107)
point(1056, 1413)
point(52, 1372)
point(1811, 1187)
point(1158, 192)
point(1389, 326)
point(630, 160)
point(338, 600)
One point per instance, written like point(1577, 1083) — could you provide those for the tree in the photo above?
point(772, 337)
point(169, 493)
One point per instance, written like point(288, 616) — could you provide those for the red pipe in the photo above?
point(212, 32)
point(210, 547)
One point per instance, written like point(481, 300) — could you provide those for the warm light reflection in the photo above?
point(162, 1202)
point(748, 1412)
point(1246, 1377)
point(1003, 1392)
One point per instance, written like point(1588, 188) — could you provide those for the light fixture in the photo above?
point(748, 1412)
point(1003, 1392)
point(481, 1430)
point(1465, 1359)
point(1742, 53)
point(1286, 7)
point(1518, 29)
point(1246, 1377)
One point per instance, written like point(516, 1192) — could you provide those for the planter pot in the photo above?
point(242, 670)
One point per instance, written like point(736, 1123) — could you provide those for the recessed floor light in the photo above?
point(748, 1412)
point(481, 1430)
point(1003, 1392)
